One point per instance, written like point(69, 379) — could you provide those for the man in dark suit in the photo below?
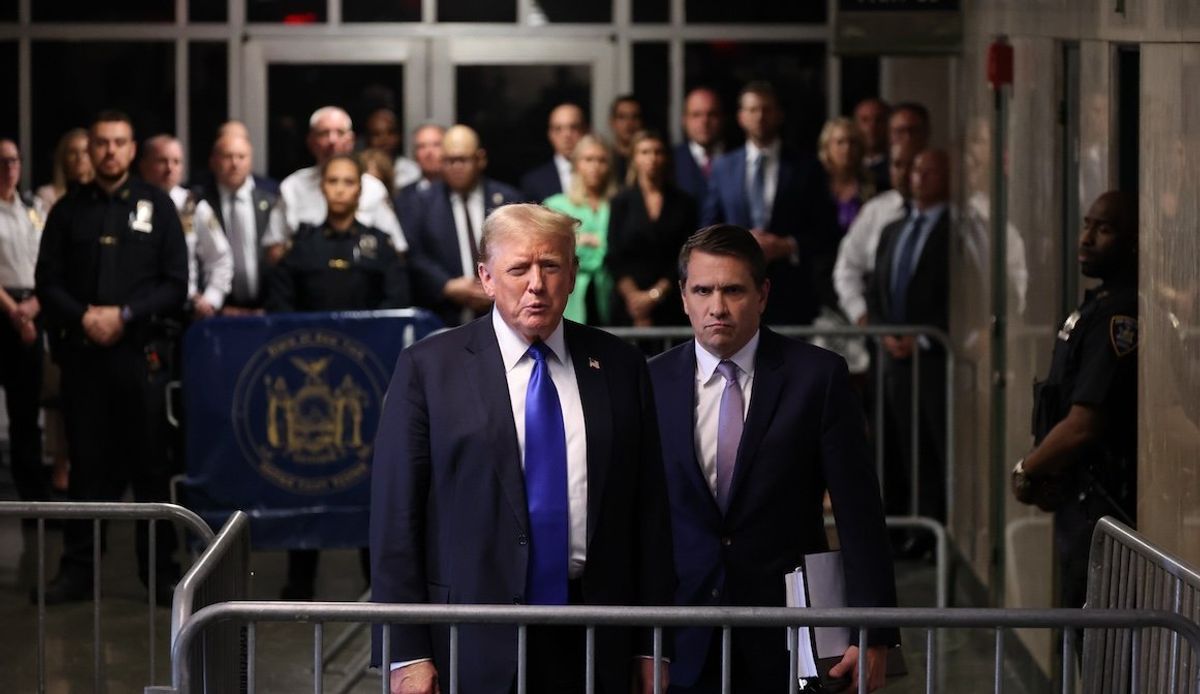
point(774, 193)
point(567, 125)
point(871, 117)
point(755, 428)
point(518, 462)
point(911, 286)
point(206, 180)
point(427, 152)
point(445, 237)
point(240, 210)
point(702, 123)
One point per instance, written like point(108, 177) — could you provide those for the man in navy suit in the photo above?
point(756, 428)
point(444, 240)
point(518, 462)
point(702, 123)
point(427, 152)
point(774, 193)
point(567, 125)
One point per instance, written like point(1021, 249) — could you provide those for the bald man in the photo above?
point(911, 286)
point(330, 133)
point(446, 230)
point(203, 182)
point(702, 124)
point(567, 124)
point(161, 166)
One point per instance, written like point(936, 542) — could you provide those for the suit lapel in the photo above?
point(783, 184)
point(741, 204)
point(597, 420)
point(764, 398)
point(214, 201)
point(487, 367)
point(679, 431)
point(262, 213)
point(883, 266)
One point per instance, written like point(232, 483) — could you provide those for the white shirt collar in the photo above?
point(242, 192)
point(562, 163)
point(513, 346)
point(706, 362)
point(772, 150)
point(700, 154)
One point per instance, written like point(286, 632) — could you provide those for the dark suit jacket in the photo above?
point(805, 433)
point(449, 518)
point(541, 182)
point(688, 175)
point(407, 202)
point(795, 212)
point(433, 250)
point(648, 250)
point(929, 288)
point(263, 201)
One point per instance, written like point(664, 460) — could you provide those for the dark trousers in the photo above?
point(21, 378)
point(557, 656)
point(757, 667)
point(114, 411)
point(930, 464)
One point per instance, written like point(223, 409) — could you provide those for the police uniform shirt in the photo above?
point(302, 202)
point(125, 249)
point(210, 257)
point(327, 270)
point(20, 232)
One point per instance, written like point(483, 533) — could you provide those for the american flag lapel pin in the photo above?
point(594, 363)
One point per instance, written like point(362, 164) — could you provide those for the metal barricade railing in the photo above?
point(1127, 572)
point(220, 574)
point(929, 619)
point(98, 512)
point(666, 337)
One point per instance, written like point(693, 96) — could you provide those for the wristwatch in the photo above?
point(655, 293)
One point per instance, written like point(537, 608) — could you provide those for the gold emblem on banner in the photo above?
point(316, 423)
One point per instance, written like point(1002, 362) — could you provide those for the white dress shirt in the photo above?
point(210, 258)
point(700, 155)
point(563, 166)
point(20, 234)
point(248, 224)
point(460, 206)
point(407, 171)
point(710, 384)
point(856, 253)
point(179, 196)
point(770, 173)
point(301, 202)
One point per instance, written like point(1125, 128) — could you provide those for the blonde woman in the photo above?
point(72, 166)
point(840, 149)
point(587, 200)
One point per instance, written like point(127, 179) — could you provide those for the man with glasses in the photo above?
point(445, 235)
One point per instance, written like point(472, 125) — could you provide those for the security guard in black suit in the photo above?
point(341, 265)
point(1083, 465)
point(112, 261)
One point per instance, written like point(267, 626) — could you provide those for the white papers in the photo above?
point(820, 583)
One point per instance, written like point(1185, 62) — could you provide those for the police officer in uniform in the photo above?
point(112, 259)
point(340, 265)
point(1083, 465)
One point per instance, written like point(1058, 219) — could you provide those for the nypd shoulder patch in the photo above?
point(1123, 334)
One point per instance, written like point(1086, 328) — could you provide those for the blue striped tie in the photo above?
point(905, 269)
point(545, 485)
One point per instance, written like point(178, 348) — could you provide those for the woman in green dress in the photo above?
point(586, 199)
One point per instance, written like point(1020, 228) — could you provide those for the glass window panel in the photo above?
point(73, 80)
point(796, 70)
point(860, 80)
point(8, 10)
point(92, 11)
point(754, 12)
point(286, 11)
point(295, 91)
point(594, 11)
point(381, 10)
point(651, 75)
point(477, 11)
point(515, 135)
point(208, 99)
point(651, 11)
point(208, 11)
point(9, 124)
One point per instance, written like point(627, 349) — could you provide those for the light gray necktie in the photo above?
point(242, 291)
point(729, 431)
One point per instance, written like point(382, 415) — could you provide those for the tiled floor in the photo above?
point(284, 657)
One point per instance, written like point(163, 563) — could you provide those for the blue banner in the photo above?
point(280, 413)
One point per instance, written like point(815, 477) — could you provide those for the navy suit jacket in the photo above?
point(795, 213)
point(541, 182)
point(805, 433)
point(688, 175)
point(449, 518)
point(433, 249)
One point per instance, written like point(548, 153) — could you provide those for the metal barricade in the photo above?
point(664, 338)
point(1127, 572)
point(931, 620)
point(98, 512)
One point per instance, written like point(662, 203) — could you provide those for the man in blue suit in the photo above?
point(694, 157)
point(518, 462)
point(775, 193)
point(756, 428)
point(448, 223)
point(567, 124)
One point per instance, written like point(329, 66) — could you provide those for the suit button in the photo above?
point(522, 540)
point(716, 592)
point(726, 541)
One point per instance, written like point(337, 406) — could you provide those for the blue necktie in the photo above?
point(758, 194)
point(545, 485)
point(904, 271)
